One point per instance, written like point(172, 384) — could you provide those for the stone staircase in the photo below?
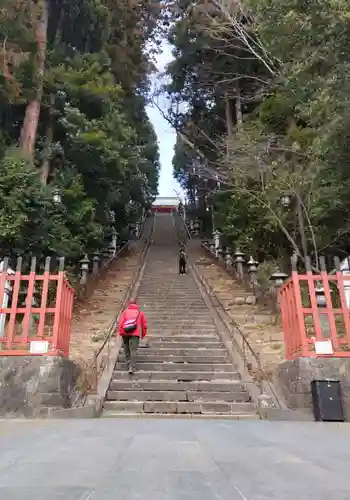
point(183, 367)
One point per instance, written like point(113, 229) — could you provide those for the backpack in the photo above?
point(130, 325)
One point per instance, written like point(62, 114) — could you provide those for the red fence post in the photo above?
point(301, 331)
point(45, 290)
point(59, 293)
point(29, 299)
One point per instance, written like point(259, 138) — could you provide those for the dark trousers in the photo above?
point(130, 344)
point(182, 265)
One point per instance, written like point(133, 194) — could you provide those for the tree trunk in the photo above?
point(238, 103)
point(32, 113)
point(228, 116)
point(45, 167)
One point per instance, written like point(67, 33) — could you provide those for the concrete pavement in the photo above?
point(175, 459)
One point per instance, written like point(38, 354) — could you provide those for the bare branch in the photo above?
point(253, 44)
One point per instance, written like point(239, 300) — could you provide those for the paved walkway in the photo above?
point(156, 459)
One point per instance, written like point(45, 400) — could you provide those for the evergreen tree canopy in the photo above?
point(73, 95)
point(259, 95)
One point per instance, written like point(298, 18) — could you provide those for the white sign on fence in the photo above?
point(323, 347)
point(39, 347)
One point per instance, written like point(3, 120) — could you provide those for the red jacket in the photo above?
point(129, 313)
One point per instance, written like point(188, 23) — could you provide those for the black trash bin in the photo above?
point(327, 401)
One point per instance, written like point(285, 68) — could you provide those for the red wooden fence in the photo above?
point(36, 310)
point(315, 313)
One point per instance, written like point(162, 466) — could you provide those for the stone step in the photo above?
point(191, 328)
point(155, 297)
point(169, 358)
point(155, 294)
point(173, 332)
point(179, 375)
point(188, 351)
point(167, 307)
point(184, 338)
point(157, 307)
point(148, 288)
point(211, 407)
point(166, 294)
point(177, 315)
point(161, 314)
point(169, 385)
point(182, 416)
point(175, 346)
point(164, 309)
point(172, 326)
point(186, 312)
point(180, 287)
point(167, 366)
point(173, 320)
point(176, 286)
point(160, 302)
point(191, 396)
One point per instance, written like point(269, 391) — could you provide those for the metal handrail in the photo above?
point(111, 329)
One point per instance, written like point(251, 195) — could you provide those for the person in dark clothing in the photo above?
point(182, 261)
point(132, 327)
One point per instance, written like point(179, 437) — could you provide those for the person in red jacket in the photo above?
point(132, 327)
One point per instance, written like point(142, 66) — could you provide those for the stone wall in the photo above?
point(293, 380)
point(29, 385)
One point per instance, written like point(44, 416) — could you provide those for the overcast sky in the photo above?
point(165, 133)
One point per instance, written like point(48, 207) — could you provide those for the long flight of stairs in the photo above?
point(183, 367)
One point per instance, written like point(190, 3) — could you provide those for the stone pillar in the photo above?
point(322, 303)
point(95, 264)
point(216, 236)
point(239, 260)
point(220, 254)
point(114, 241)
point(111, 251)
point(138, 229)
point(84, 269)
point(252, 270)
point(105, 257)
point(277, 279)
point(228, 259)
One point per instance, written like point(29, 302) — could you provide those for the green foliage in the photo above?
point(94, 140)
point(294, 95)
point(30, 221)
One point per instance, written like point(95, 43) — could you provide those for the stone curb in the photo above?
point(277, 414)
